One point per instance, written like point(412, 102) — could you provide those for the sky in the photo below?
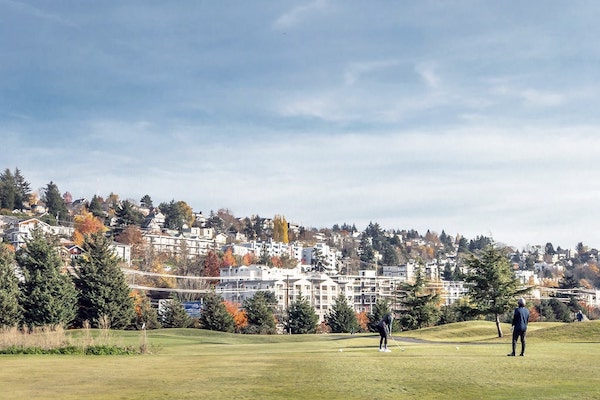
point(468, 117)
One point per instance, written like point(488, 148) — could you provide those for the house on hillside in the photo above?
point(20, 231)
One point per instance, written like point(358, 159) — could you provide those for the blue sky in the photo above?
point(471, 117)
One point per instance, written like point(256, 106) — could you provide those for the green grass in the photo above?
point(561, 363)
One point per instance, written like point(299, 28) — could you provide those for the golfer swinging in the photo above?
point(384, 327)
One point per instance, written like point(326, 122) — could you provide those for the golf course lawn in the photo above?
point(456, 361)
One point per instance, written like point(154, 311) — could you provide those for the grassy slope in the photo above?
point(192, 364)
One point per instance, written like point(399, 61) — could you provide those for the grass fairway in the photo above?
point(465, 362)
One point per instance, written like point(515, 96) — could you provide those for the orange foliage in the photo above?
point(249, 259)
point(534, 315)
point(228, 258)
point(137, 301)
point(239, 316)
point(211, 264)
point(276, 262)
point(86, 224)
point(363, 321)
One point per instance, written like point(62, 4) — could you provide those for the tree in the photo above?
point(259, 310)
point(48, 297)
point(86, 223)
point(8, 190)
point(95, 207)
point(341, 317)
point(549, 249)
point(239, 316)
point(55, 202)
point(14, 190)
point(301, 317)
point(145, 315)
point(211, 264)
point(280, 229)
point(10, 310)
point(127, 214)
point(492, 285)
point(177, 214)
point(172, 314)
point(146, 201)
point(419, 306)
point(228, 258)
point(214, 314)
point(103, 291)
point(367, 253)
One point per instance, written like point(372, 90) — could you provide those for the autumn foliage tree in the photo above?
point(239, 316)
point(228, 258)
point(211, 264)
point(249, 259)
point(280, 229)
point(86, 223)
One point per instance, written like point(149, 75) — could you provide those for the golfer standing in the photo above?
point(519, 327)
point(384, 327)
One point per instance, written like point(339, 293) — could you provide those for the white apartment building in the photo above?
point(198, 241)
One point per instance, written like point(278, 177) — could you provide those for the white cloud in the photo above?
point(428, 74)
point(357, 69)
point(298, 14)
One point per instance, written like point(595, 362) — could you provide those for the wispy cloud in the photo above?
point(298, 14)
point(37, 12)
point(358, 69)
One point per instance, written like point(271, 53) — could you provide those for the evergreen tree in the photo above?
point(492, 285)
point(55, 203)
point(419, 307)
point(214, 314)
point(301, 317)
point(177, 214)
point(259, 311)
point(10, 310)
point(95, 207)
point(127, 215)
point(172, 314)
point(8, 190)
point(103, 291)
point(367, 253)
point(341, 318)
point(48, 297)
point(146, 201)
point(23, 189)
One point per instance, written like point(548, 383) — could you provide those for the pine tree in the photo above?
point(8, 190)
point(214, 314)
point(173, 315)
point(95, 207)
point(419, 307)
point(10, 310)
point(302, 317)
point(341, 318)
point(23, 189)
point(492, 285)
point(146, 201)
point(55, 203)
point(103, 291)
point(48, 297)
point(259, 310)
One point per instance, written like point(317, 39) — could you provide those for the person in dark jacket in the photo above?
point(384, 327)
point(519, 327)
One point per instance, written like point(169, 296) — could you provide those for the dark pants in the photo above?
point(516, 335)
point(383, 336)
